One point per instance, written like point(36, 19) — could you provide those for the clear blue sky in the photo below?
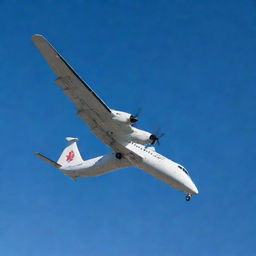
point(191, 66)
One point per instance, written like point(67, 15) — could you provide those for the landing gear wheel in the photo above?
point(119, 155)
point(188, 197)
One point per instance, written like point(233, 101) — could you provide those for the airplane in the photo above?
point(131, 147)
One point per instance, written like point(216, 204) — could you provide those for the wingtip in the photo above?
point(36, 37)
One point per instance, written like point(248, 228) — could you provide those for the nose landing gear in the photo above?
point(188, 197)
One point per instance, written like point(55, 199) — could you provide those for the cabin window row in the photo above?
point(144, 149)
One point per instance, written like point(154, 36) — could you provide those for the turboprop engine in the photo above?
point(143, 137)
point(123, 117)
point(137, 135)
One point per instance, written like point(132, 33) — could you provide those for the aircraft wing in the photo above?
point(90, 108)
point(74, 87)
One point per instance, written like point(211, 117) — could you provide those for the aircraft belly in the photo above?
point(98, 166)
point(164, 171)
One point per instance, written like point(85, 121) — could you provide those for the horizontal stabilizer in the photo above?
point(49, 161)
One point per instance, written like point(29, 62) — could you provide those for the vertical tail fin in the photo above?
point(70, 155)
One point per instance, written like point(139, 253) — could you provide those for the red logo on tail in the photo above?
point(70, 156)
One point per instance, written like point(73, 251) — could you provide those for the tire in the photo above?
point(118, 155)
point(188, 197)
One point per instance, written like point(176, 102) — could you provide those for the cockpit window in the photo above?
point(183, 169)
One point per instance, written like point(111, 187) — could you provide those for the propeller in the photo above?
point(155, 137)
point(134, 118)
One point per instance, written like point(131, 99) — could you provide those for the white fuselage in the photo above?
point(155, 164)
point(164, 169)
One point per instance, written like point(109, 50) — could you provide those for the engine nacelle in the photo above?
point(141, 137)
point(123, 117)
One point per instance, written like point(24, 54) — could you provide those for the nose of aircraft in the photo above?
point(193, 189)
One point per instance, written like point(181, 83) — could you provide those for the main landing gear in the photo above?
point(119, 155)
point(188, 197)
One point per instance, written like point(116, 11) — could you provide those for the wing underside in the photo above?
point(90, 108)
point(74, 87)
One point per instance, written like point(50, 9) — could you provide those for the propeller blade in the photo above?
point(138, 112)
point(156, 137)
point(134, 118)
